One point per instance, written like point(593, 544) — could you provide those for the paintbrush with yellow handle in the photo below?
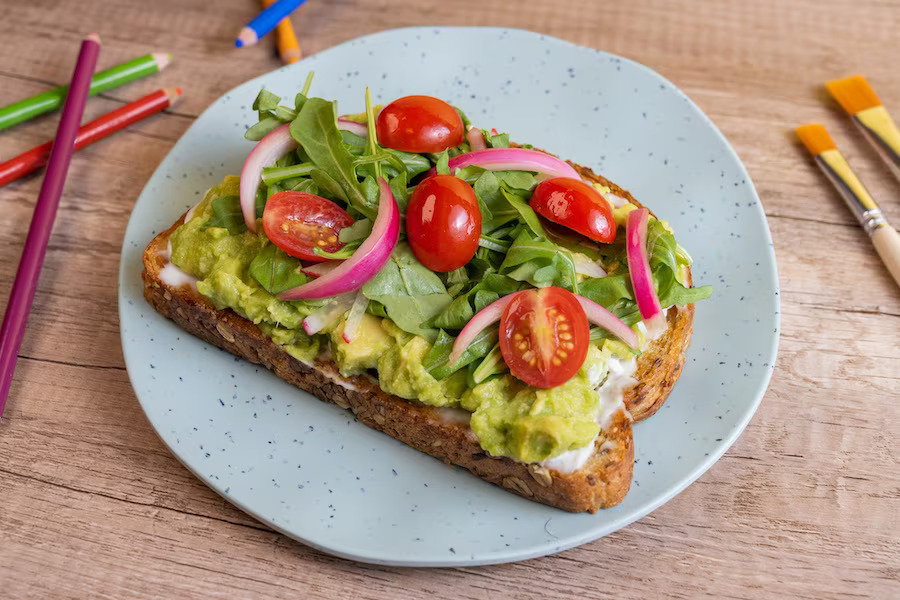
point(862, 205)
point(859, 100)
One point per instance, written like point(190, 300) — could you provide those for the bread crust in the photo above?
point(602, 482)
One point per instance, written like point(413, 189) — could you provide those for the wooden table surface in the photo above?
point(804, 505)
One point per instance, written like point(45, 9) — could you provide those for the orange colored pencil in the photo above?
point(285, 38)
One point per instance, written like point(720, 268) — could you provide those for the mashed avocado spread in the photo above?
point(508, 417)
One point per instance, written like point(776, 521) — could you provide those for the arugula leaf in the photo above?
point(459, 312)
point(525, 212)
point(540, 263)
point(520, 180)
point(315, 128)
point(411, 294)
point(400, 191)
point(498, 141)
point(227, 214)
point(490, 365)
point(265, 101)
point(261, 199)
point(443, 164)
point(307, 186)
point(263, 128)
point(275, 271)
point(436, 361)
point(285, 114)
point(606, 291)
point(359, 230)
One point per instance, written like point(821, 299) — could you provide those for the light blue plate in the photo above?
point(308, 469)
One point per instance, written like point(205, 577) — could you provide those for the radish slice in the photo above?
point(488, 315)
point(351, 327)
point(585, 266)
point(368, 259)
point(494, 131)
point(476, 139)
point(513, 159)
point(598, 315)
point(322, 268)
point(639, 271)
point(327, 315)
point(359, 129)
point(269, 149)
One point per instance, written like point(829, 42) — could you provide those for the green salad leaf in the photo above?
point(227, 214)
point(437, 360)
point(410, 293)
point(315, 129)
point(275, 271)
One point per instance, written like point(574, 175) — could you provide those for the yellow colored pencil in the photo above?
point(285, 38)
point(836, 168)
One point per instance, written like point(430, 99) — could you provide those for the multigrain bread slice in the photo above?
point(601, 482)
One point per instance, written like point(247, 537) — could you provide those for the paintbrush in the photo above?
point(836, 168)
point(857, 97)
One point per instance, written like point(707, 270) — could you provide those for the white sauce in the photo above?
point(620, 375)
point(190, 214)
point(454, 415)
point(174, 277)
point(616, 201)
point(338, 379)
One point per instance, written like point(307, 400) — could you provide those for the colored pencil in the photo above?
point(265, 22)
point(92, 132)
point(104, 80)
point(836, 168)
point(285, 39)
point(857, 97)
point(22, 294)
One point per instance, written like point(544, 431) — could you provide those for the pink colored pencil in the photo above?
point(22, 294)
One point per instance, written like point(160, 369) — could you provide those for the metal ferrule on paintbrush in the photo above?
point(845, 181)
point(884, 237)
point(859, 100)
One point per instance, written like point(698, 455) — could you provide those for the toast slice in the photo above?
point(601, 482)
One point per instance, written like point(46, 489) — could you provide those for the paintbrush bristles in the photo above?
point(854, 94)
point(815, 138)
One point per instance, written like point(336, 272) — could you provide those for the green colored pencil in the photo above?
point(102, 81)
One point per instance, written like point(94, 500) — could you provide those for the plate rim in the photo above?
point(537, 550)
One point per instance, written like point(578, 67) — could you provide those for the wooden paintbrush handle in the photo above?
point(887, 242)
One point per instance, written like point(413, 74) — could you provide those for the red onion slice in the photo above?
point(513, 159)
point(488, 315)
point(476, 139)
point(585, 266)
point(360, 129)
point(269, 149)
point(601, 317)
point(322, 268)
point(368, 259)
point(639, 271)
point(354, 318)
point(327, 315)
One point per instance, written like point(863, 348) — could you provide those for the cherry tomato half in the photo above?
point(419, 124)
point(443, 222)
point(576, 205)
point(544, 336)
point(297, 222)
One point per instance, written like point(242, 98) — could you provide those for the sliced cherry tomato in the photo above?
point(443, 223)
point(297, 222)
point(576, 205)
point(544, 336)
point(419, 124)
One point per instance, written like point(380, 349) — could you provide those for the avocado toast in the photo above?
point(386, 355)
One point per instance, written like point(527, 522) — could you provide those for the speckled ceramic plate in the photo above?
point(307, 468)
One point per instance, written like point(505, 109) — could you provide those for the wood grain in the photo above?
point(804, 505)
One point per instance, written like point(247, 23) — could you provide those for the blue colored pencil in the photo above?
point(265, 22)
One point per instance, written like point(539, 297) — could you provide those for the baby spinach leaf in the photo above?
point(411, 294)
point(540, 263)
point(316, 130)
point(307, 186)
point(436, 361)
point(606, 291)
point(275, 271)
point(459, 312)
point(490, 365)
point(520, 180)
point(227, 214)
point(265, 101)
point(525, 212)
point(498, 141)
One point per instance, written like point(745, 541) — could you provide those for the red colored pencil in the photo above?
point(25, 284)
point(94, 131)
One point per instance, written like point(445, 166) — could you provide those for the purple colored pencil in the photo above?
point(24, 286)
